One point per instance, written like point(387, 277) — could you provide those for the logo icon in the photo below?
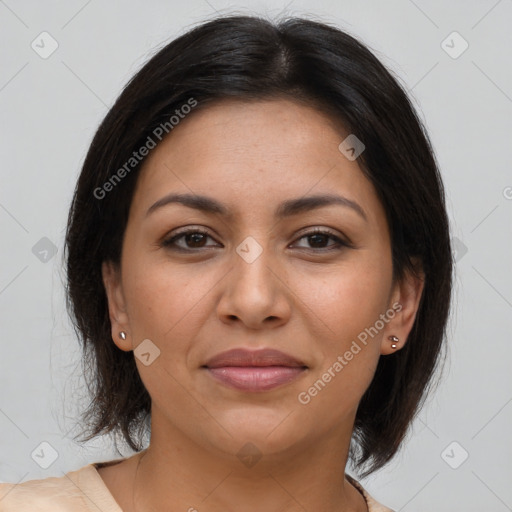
point(249, 455)
point(459, 249)
point(44, 455)
point(146, 352)
point(44, 250)
point(454, 455)
point(249, 249)
point(454, 45)
point(351, 147)
point(44, 45)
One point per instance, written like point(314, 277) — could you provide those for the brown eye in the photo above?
point(192, 238)
point(319, 237)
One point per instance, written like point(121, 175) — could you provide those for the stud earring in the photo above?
point(122, 335)
point(394, 339)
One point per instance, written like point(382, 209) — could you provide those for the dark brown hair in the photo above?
point(251, 58)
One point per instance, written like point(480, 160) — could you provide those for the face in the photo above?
point(314, 282)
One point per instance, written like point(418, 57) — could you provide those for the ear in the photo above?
point(111, 274)
point(405, 300)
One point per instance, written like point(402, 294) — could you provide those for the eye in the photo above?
point(318, 237)
point(195, 238)
point(192, 238)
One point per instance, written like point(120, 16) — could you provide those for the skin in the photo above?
point(297, 296)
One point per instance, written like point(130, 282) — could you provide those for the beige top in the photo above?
point(83, 490)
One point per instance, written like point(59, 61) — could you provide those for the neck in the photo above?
point(175, 471)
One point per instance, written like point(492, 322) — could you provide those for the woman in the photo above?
point(259, 268)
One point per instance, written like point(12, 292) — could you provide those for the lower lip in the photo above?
point(255, 378)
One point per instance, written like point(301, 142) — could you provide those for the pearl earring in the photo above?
point(394, 339)
point(122, 335)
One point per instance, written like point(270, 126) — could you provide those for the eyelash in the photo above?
point(170, 242)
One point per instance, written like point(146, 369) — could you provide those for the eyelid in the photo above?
point(340, 239)
point(168, 239)
point(323, 230)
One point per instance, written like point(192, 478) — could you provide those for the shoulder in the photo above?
point(373, 505)
point(77, 491)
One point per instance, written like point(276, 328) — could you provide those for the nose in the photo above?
point(255, 293)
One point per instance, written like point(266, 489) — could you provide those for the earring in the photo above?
point(394, 339)
point(122, 335)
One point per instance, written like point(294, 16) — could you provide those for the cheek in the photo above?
point(346, 355)
point(164, 306)
point(165, 301)
point(348, 299)
point(347, 305)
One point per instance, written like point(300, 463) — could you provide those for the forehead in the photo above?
point(252, 155)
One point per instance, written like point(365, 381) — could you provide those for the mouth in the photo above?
point(254, 371)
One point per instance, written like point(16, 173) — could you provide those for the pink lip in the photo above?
point(259, 370)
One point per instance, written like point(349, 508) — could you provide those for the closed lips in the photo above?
point(254, 371)
point(254, 358)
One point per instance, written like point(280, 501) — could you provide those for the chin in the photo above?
point(268, 429)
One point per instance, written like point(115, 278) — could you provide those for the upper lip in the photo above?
point(245, 357)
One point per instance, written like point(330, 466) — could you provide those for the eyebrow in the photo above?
point(285, 209)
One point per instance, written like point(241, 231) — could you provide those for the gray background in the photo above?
point(50, 109)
